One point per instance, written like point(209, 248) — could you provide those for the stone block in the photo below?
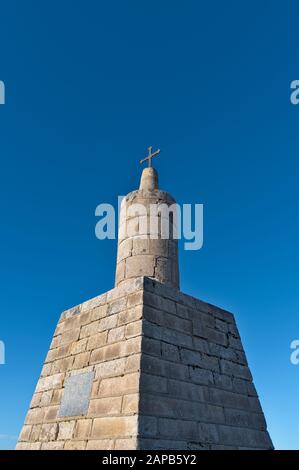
point(198, 359)
point(140, 246)
point(153, 383)
point(111, 368)
point(107, 353)
point(140, 265)
point(66, 430)
point(81, 360)
point(133, 363)
point(207, 433)
point(215, 336)
point(85, 317)
point(176, 337)
point(97, 340)
point(145, 366)
point(201, 376)
point(174, 428)
point(48, 432)
point(102, 444)
point(156, 366)
point(124, 249)
point(69, 336)
point(186, 390)
point(35, 416)
point(151, 346)
point(116, 427)
point(75, 445)
point(243, 419)
point(35, 432)
point(46, 370)
point(228, 399)
point(29, 446)
point(239, 436)
point(90, 329)
point(46, 398)
point(51, 413)
point(223, 381)
point(176, 408)
point(135, 299)
point(132, 345)
point(236, 370)
point(148, 426)
point(79, 346)
point(58, 353)
point(25, 433)
point(116, 334)
point(62, 365)
point(98, 312)
point(36, 400)
point(133, 329)
point(161, 444)
point(221, 325)
point(116, 386)
point(130, 404)
point(126, 444)
point(117, 306)
point(105, 406)
point(68, 324)
point(169, 351)
point(162, 247)
point(201, 345)
point(130, 315)
point(56, 396)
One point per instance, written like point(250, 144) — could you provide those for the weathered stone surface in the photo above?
point(145, 366)
point(50, 382)
point(105, 406)
point(66, 430)
point(48, 432)
point(130, 404)
point(102, 444)
point(75, 445)
point(83, 429)
point(25, 433)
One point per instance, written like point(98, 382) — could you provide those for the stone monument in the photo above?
point(145, 366)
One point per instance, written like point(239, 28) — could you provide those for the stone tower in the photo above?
point(145, 366)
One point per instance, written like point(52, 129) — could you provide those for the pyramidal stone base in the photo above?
point(145, 366)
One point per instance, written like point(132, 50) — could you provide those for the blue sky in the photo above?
point(89, 85)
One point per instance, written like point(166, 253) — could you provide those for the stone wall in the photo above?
point(102, 336)
point(196, 389)
point(166, 371)
point(144, 249)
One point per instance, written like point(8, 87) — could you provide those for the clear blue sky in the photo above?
point(89, 86)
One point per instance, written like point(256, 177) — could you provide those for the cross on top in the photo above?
point(150, 156)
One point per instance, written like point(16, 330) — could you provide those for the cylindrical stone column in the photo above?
point(147, 243)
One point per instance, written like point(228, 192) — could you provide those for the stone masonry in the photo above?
point(169, 372)
point(145, 366)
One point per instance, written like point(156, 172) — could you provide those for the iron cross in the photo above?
point(150, 156)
